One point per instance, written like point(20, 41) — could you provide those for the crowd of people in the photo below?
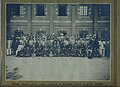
point(57, 45)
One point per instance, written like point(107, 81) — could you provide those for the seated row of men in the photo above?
point(62, 46)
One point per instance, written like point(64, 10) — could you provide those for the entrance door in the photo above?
point(83, 33)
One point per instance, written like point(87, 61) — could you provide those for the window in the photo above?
point(62, 10)
point(15, 9)
point(40, 10)
point(105, 10)
point(22, 10)
point(83, 10)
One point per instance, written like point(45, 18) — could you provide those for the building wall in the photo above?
point(51, 23)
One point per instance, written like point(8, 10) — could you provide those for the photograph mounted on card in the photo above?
point(53, 43)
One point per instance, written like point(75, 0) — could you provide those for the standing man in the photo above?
point(9, 43)
point(101, 48)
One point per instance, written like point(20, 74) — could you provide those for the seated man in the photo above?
point(83, 50)
point(21, 53)
point(25, 52)
point(89, 52)
point(28, 52)
point(20, 47)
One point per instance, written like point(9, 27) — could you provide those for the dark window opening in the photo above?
point(14, 9)
point(62, 10)
point(105, 10)
point(11, 10)
point(40, 10)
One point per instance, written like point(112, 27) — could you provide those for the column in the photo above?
point(51, 18)
point(73, 19)
point(29, 16)
point(95, 19)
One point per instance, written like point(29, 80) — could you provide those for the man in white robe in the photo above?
point(9, 51)
point(101, 48)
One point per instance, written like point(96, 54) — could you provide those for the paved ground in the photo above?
point(65, 69)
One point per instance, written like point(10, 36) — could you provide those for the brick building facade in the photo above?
point(52, 18)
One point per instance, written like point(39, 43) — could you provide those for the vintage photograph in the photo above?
point(58, 42)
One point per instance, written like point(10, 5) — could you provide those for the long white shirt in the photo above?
point(101, 45)
point(9, 43)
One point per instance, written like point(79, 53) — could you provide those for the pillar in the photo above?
point(73, 19)
point(29, 16)
point(95, 18)
point(51, 18)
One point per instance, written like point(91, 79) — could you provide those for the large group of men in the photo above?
point(57, 45)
